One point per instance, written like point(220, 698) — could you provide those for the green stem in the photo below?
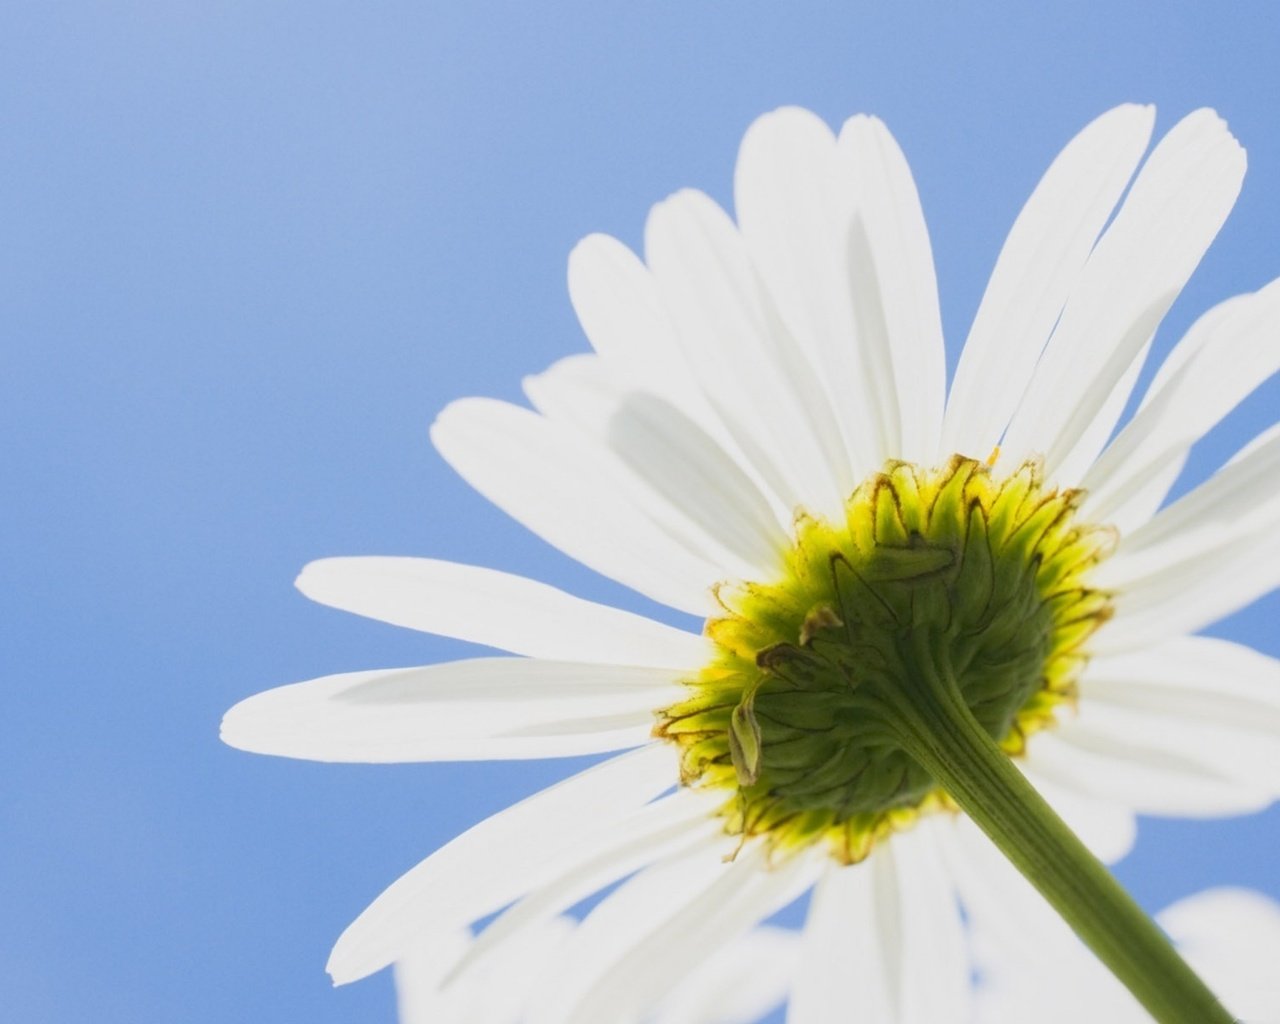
point(938, 730)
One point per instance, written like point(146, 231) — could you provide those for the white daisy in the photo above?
point(1231, 936)
point(762, 438)
point(742, 980)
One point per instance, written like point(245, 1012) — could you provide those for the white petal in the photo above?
point(420, 997)
point(485, 606)
point(499, 859)
point(661, 925)
point(742, 980)
point(888, 210)
point(1232, 938)
point(618, 304)
point(795, 209)
point(738, 525)
point(1143, 776)
point(686, 468)
point(884, 939)
point(1176, 206)
point(683, 820)
point(1210, 700)
point(1227, 353)
point(554, 483)
point(472, 710)
point(1038, 266)
point(754, 375)
point(1209, 553)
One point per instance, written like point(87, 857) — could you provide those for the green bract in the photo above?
point(982, 576)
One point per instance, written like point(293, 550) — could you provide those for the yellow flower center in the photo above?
point(793, 716)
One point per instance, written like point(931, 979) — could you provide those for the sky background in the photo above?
point(248, 250)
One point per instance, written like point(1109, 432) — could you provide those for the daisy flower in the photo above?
point(913, 600)
point(740, 982)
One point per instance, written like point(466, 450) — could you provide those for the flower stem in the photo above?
point(936, 727)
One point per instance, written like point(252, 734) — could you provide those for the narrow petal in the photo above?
point(885, 938)
point(1176, 206)
point(685, 467)
point(1036, 271)
point(1147, 777)
point(542, 475)
point(742, 980)
point(1227, 353)
point(1209, 553)
point(758, 380)
point(795, 208)
point(660, 926)
point(741, 536)
point(1232, 938)
point(624, 318)
point(475, 710)
point(1214, 701)
point(683, 821)
point(499, 859)
point(888, 209)
point(485, 606)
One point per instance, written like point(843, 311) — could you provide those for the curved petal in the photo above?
point(1146, 777)
point(758, 380)
point(618, 305)
point(1035, 273)
point(1227, 353)
point(885, 938)
point(795, 209)
point(661, 925)
point(456, 711)
point(1209, 553)
point(742, 980)
point(685, 467)
point(888, 212)
point(1211, 700)
point(497, 609)
point(499, 859)
point(1176, 206)
point(682, 822)
point(1232, 938)
point(554, 483)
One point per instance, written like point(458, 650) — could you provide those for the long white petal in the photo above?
point(660, 926)
point(755, 376)
point(888, 210)
point(743, 979)
point(685, 467)
point(1211, 700)
point(885, 938)
point(618, 305)
point(1146, 777)
point(554, 483)
point(795, 209)
point(499, 859)
point(456, 711)
point(1037, 269)
point(486, 606)
point(1209, 553)
point(1227, 353)
point(683, 820)
point(1232, 939)
point(1176, 206)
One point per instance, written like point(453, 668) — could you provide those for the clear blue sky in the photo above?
point(248, 249)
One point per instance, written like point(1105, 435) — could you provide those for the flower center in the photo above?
point(794, 716)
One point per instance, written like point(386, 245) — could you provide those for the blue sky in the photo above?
point(248, 250)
